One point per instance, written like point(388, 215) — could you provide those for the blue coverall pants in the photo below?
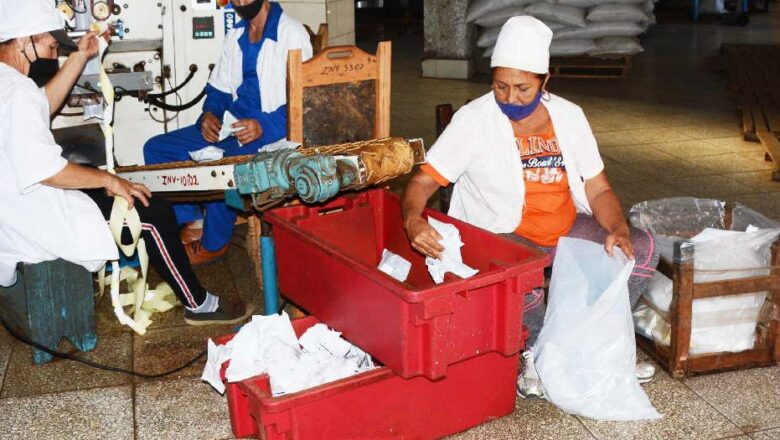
point(218, 218)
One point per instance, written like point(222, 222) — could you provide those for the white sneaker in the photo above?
point(528, 384)
point(645, 371)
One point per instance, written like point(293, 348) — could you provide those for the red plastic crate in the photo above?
point(377, 404)
point(328, 257)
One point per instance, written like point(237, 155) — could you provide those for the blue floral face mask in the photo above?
point(517, 112)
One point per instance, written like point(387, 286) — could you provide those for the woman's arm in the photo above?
point(75, 176)
point(58, 88)
point(423, 237)
point(609, 214)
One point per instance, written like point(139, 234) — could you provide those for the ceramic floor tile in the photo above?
point(635, 153)
point(168, 348)
point(721, 186)
point(710, 130)
point(105, 413)
point(25, 379)
point(180, 409)
point(686, 416)
point(625, 174)
point(735, 144)
point(765, 203)
point(772, 434)
point(690, 149)
point(641, 136)
point(531, 419)
point(668, 170)
point(643, 191)
point(735, 162)
point(757, 181)
point(750, 398)
point(6, 345)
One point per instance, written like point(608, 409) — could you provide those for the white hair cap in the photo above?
point(523, 44)
point(25, 18)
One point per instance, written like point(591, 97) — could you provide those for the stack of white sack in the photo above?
point(720, 324)
point(268, 345)
point(580, 27)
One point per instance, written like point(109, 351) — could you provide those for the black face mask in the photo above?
point(42, 69)
point(250, 11)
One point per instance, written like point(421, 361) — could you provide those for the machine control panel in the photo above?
point(202, 28)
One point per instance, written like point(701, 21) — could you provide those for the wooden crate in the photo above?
point(590, 67)
point(675, 358)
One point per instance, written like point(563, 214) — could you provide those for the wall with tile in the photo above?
point(338, 14)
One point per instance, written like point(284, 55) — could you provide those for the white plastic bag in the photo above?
point(484, 8)
point(600, 30)
point(617, 46)
point(488, 36)
point(579, 3)
point(564, 48)
point(499, 17)
point(616, 12)
point(585, 354)
point(568, 15)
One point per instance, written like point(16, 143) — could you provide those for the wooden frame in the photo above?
point(676, 358)
point(339, 65)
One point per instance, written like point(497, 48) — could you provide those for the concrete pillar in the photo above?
point(449, 40)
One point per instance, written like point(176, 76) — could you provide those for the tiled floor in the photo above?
point(670, 129)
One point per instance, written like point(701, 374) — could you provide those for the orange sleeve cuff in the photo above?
point(431, 171)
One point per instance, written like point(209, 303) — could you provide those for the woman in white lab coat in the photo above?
point(525, 164)
point(44, 214)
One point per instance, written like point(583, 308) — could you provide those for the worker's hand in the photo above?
point(210, 125)
point(621, 239)
point(129, 191)
point(423, 237)
point(89, 45)
point(250, 130)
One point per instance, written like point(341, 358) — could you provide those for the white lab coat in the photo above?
point(37, 222)
point(478, 152)
point(228, 75)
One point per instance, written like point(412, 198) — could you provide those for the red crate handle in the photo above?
point(338, 205)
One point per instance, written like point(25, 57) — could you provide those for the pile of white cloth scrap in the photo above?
point(268, 345)
point(580, 27)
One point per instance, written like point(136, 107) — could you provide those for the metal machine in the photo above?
point(313, 174)
point(158, 61)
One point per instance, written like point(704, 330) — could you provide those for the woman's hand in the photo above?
point(210, 125)
point(622, 239)
point(129, 191)
point(423, 237)
point(250, 130)
point(89, 45)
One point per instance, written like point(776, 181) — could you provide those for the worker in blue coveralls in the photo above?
point(248, 90)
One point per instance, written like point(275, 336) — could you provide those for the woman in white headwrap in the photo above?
point(525, 164)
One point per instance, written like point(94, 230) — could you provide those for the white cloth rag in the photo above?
point(227, 127)
point(395, 265)
point(451, 259)
point(207, 154)
point(268, 345)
